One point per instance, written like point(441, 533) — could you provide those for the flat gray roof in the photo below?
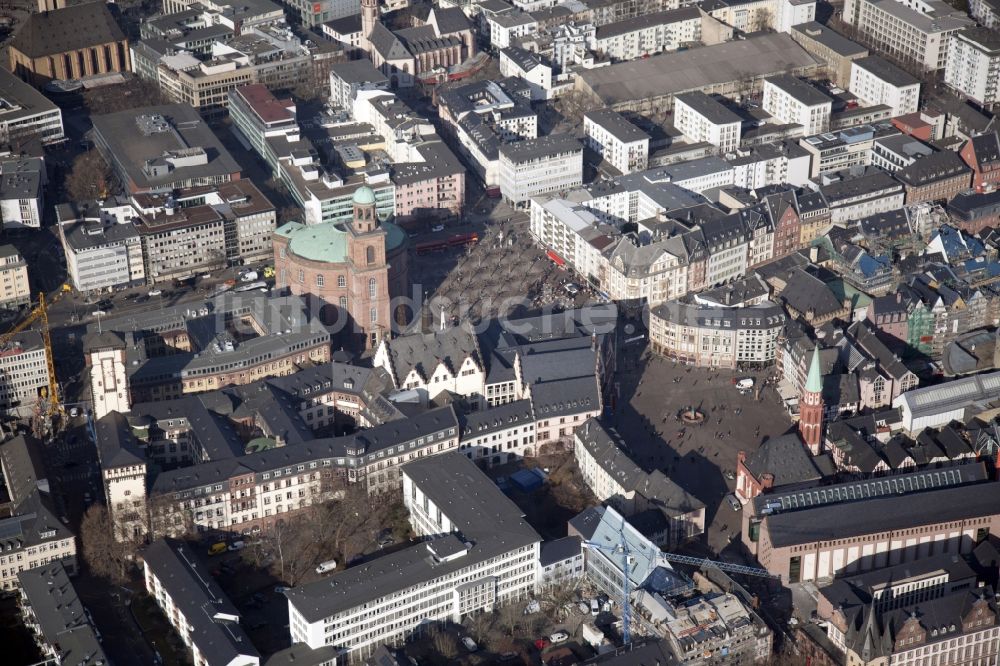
point(829, 38)
point(22, 100)
point(617, 125)
point(705, 105)
point(798, 89)
point(885, 70)
point(543, 146)
point(698, 68)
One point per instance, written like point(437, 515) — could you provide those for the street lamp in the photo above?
point(99, 314)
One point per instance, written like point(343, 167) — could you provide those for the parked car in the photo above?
point(281, 589)
point(217, 548)
point(237, 545)
point(734, 503)
point(469, 644)
point(437, 227)
point(325, 567)
point(595, 607)
point(154, 292)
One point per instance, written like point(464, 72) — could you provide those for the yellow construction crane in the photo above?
point(40, 313)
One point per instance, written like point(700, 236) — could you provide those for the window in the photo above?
point(370, 255)
point(341, 281)
point(373, 315)
point(343, 302)
point(372, 287)
point(302, 276)
point(320, 282)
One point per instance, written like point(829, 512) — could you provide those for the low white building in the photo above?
point(32, 536)
point(498, 434)
point(14, 288)
point(622, 144)
point(506, 27)
point(196, 607)
point(876, 81)
point(793, 101)
point(935, 406)
point(704, 118)
point(26, 113)
point(23, 373)
point(974, 65)
point(477, 553)
point(532, 68)
point(447, 360)
point(22, 187)
point(537, 166)
point(560, 561)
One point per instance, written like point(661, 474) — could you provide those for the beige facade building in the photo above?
point(33, 536)
point(14, 289)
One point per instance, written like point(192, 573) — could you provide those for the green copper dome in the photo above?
point(364, 196)
point(814, 382)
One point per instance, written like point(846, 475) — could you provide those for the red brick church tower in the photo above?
point(369, 273)
point(811, 407)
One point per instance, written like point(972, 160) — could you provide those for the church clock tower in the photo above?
point(368, 301)
point(811, 407)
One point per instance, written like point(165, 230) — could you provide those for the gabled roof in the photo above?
point(986, 148)
point(387, 44)
point(786, 458)
point(68, 29)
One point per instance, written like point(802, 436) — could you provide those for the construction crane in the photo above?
point(40, 314)
point(622, 550)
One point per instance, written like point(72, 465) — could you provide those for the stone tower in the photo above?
point(369, 17)
point(369, 273)
point(811, 407)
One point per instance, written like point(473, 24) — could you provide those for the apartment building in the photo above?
point(349, 77)
point(703, 118)
point(61, 626)
point(196, 607)
point(986, 12)
point(32, 536)
point(916, 32)
point(23, 373)
point(26, 112)
point(974, 65)
point(179, 243)
point(14, 288)
point(619, 142)
point(876, 81)
point(648, 34)
point(532, 167)
point(861, 192)
point(533, 69)
point(477, 554)
point(617, 480)
point(22, 188)
point(793, 101)
point(813, 534)
point(720, 337)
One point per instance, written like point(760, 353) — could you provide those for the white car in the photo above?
point(437, 227)
point(154, 292)
point(469, 644)
point(558, 637)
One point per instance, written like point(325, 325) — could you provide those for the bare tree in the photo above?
point(89, 178)
point(444, 643)
point(511, 616)
point(295, 549)
point(106, 556)
point(132, 94)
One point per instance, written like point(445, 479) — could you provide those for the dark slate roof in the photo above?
point(301, 654)
point(60, 615)
point(937, 166)
point(802, 92)
point(200, 599)
point(451, 20)
point(651, 653)
point(786, 458)
point(23, 467)
point(804, 291)
point(494, 419)
point(116, 445)
point(347, 25)
point(68, 29)
point(900, 512)
point(559, 550)
point(986, 148)
point(387, 44)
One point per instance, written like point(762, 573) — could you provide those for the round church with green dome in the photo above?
point(353, 268)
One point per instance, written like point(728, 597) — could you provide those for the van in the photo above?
point(325, 567)
point(595, 607)
point(216, 548)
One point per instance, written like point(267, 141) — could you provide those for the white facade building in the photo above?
point(22, 187)
point(529, 67)
point(703, 118)
point(615, 139)
point(792, 100)
point(876, 81)
point(648, 34)
point(913, 31)
point(537, 166)
point(974, 65)
point(23, 373)
point(478, 553)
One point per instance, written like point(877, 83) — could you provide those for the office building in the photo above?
point(916, 32)
point(830, 47)
point(974, 65)
point(163, 148)
point(477, 554)
point(22, 187)
point(24, 373)
point(26, 113)
point(532, 167)
point(347, 78)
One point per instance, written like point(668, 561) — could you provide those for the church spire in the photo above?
point(814, 382)
point(811, 407)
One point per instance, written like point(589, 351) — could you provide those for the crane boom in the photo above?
point(40, 313)
point(724, 566)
